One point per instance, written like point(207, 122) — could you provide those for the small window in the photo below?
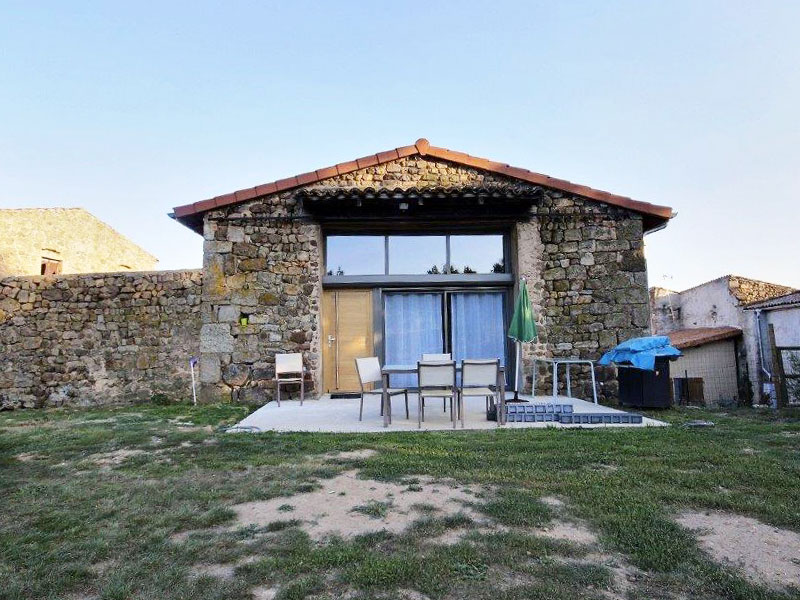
point(355, 255)
point(50, 266)
point(476, 254)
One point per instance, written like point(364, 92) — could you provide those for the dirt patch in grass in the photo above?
point(568, 532)
point(337, 508)
point(765, 553)
point(264, 592)
point(361, 454)
point(29, 457)
point(117, 457)
point(553, 502)
point(220, 571)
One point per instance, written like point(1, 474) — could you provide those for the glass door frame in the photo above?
point(378, 311)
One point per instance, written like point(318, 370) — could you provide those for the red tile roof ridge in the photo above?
point(423, 148)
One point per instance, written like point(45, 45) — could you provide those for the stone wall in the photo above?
point(98, 338)
point(262, 263)
point(594, 293)
point(583, 260)
point(82, 243)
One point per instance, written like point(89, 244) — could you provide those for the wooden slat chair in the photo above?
point(369, 371)
point(289, 371)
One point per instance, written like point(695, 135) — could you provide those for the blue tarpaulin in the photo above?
point(640, 352)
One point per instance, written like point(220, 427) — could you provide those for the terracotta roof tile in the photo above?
point(267, 188)
point(306, 178)
point(243, 195)
point(347, 167)
point(699, 336)
point(327, 172)
point(384, 157)
point(368, 161)
point(655, 216)
point(204, 205)
point(285, 184)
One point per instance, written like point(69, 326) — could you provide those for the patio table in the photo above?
point(409, 369)
point(566, 362)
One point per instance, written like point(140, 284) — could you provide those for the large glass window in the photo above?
point(414, 254)
point(476, 254)
point(417, 254)
point(355, 255)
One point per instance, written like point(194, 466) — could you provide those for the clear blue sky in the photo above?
point(129, 109)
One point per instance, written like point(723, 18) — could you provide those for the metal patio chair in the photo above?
point(436, 380)
point(437, 358)
point(289, 371)
point(369, 371)
point(478, 379)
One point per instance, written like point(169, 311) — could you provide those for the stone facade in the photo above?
point(78, 240)
point(594, 282)
point(583, 261)
point(261, 262)
point(99, 338)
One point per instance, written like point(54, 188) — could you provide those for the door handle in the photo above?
point(330, 340)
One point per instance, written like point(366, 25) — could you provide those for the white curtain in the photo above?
point(412, 325)
point(478, 328)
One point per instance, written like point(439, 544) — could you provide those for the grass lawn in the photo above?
point(137, 502)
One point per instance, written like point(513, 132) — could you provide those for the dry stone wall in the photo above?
point(98, 338)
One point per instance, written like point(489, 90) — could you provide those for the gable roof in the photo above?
point(655, 216)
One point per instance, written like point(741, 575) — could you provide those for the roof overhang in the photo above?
point(654, 216)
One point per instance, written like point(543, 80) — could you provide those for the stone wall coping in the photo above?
point(100, 274)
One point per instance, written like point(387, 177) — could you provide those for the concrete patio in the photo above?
point(340, 415)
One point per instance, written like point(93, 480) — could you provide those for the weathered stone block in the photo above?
point(253, 264)
point(210, 370)
point(236, 374)
point(216, 337)
point(228, 313)
point(235, 233)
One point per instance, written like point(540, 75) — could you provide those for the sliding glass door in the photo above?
point(467, 324)
point(477, 326)
point(413, 325)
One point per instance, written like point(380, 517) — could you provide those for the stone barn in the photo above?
point(416, 249)
point(52, 241)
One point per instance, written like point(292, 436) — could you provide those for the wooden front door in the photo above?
point(346, 335)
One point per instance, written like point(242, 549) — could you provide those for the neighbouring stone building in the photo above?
point(719, 305)
point(48, 241)
point(415, 249)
